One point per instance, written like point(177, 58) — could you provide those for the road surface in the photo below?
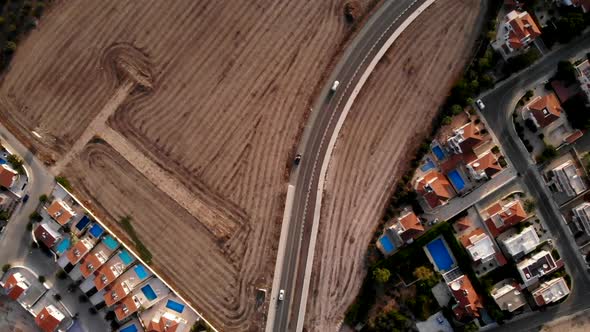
point(499, 104)
point(314, 146)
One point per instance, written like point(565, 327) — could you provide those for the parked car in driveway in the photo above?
point(480, 104)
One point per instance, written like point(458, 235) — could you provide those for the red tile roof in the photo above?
point(523, 26)
point(487, 163)
point(108, 274)
point(435, 188)
point(512, 215)
point(7, 176)
point(48, 319)
point(465, 239)
point(77, 252)
point(468, 301)
point(574, 136)
point(472, 137)
point(41, 234)
point(545, 109)
point(412, 226)
point(162, 325)
point(60, 211)
point(15, 286)
point(126, 308)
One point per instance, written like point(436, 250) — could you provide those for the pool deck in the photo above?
point(189, 316)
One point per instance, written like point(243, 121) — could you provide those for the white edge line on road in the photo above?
point(280, 255)
point(328, 155)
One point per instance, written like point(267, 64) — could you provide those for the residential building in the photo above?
point(479, 246)
point(435, 189)
point(551, 291)
point(113, 269)
point(522, 243)
point(79, 250)
point(484, 167)
point(126, 283)
point(49, 319)
point(536, 266)
point(165, 322)
point(47, 233)
point(508, 297)
point(567, 178)
point(60, 211)
point(98, 256)
point(583, 75)
point(16, 285)
point(7, 203)
point(581, 214)
point(145, 297)
point(501, 216)
point(468, 301)
point(8, 176)
point(544, 110)
point(515, 33)
point(407, 227)
point(465, 138)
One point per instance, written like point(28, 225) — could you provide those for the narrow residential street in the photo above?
point(15, 242)
point(499, 104)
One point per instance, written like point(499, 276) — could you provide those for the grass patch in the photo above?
point(143, 251)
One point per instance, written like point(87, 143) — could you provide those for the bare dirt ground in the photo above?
point(387, 122)
point(197, 106)
point(575, 323)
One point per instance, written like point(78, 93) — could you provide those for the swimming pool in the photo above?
point(82, 223)
point(110, 242)
point(149, 293)
point(63, 246)
point(126, 257)
point(130, 328)
point(438, 152)
point(440, 255)
point(428, 165)
point(386, 244)
point(96, 230)
point(140, 271)
point(173, 305)
point(456, 180)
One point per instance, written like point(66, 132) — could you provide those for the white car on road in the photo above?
point(281, 294)
point(480, 104)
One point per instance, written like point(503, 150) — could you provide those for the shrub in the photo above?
point(381, 275)
point(529, 205)
point(57, 297)
point(61, 274)
point(43, 199)
point(29, 226)
point(447, 120)
point(495, 149)
point(456, 109)
point(6, 267)
point(549, 153)
point(41, 279)
point(530, 124)
point(35, 216)
point(64, 182)
point(502, 162)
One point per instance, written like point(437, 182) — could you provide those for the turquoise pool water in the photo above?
point(63, 245)
point(140, 271)
point(110, 242)
point(126, 258)
point(149, 293)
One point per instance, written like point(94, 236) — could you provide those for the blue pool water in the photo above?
point(82, 223)
point(456, 180)
point(440, 254)
point(438, 152)
point(2, 161)
point(130, 328)
point(63, 246)
point(386, 244)
point(110, 242)
point(427, 166)
point(126, 257)
point(149, 293)
point(96, 230)
point(140, 271)
point(173, 305)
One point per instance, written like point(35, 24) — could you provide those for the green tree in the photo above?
point(423, 273)
point(566, 72)
point(6, 267)
point(456, 109)
point(447, 120)
point(381, 275)
point(529, 205)
point(391, 321)
point(43, 199)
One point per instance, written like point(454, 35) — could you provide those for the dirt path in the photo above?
point(222, 224)
point(98, 125)
point(387, 122)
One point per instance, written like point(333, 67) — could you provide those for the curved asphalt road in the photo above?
point(313, 148)
point(499, 104)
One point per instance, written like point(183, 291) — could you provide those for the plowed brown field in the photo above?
point(388, 120)
point(207, 97)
